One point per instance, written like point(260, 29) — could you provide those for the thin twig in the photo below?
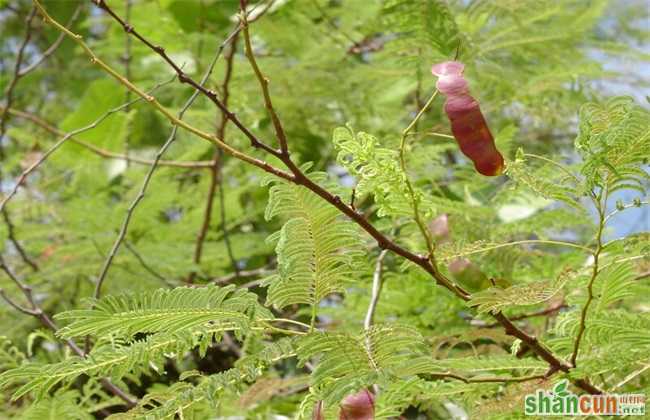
point(4, 117)
point(264, 83)
point(257, 272)
point(145, 183)
point(104, 152)
point(625, 207)
point(523, 242)
point(631, 376)
point(9, 90)
point(36, 311)
point(414, 201)
point(497, 379)
point(52, 48)
point(216, 172)
point(600, 208)
point(11, 234)
point(145, 265)
point(376, 290)
point(23, 176)
point(126, 58)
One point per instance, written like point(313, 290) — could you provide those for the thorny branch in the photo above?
point(299, 178)
point(36, 311)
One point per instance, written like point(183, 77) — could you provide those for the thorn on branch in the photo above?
point(183, 78)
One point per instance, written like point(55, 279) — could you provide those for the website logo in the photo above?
point(562, 402)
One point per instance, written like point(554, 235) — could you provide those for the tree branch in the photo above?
point(216, 172)
point(23, 176)
point(4, 117)
point(104, 152)
point(9, 90)
point(600, 207)
point(52, 48)
point(184, 78)
point(264, 83)
point(11, 233)
point(38, 313)
point(376, 290)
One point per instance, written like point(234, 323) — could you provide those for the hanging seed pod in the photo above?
point(359, 406)
point(467, 122)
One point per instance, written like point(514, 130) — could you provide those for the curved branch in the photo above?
point(23, 176)
point(52, 48)
point(104, 152)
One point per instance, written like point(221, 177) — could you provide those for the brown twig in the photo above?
point(264, 83)
point(582, 326)
point(4, 117)
point(184, 78)
point(11, 234)
point(216, 172)
point(36, 311)
point(38, 162)
point(104, 152)
point(9, 90)
point(52, 48)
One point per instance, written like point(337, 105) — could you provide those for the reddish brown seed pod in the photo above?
point(318, 411)
point(359, 406)
point(467, 122)
point(439, 228)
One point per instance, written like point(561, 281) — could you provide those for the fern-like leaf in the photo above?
point(165, 310)
point(495, 299)
point(315, 247)
point(349, 362)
